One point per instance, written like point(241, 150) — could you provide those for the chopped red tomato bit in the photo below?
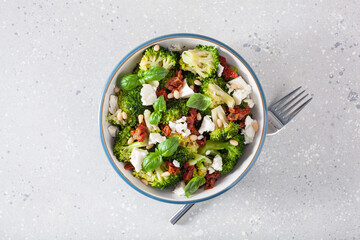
point(128, 166)
point(171, 168)
point(210, 180)
point(176, 82)
point(140, 132)
point(237, 113)
point(188, 172)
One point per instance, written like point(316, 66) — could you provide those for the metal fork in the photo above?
point(279, 114)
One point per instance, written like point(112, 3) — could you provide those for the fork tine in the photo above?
point(288, 103)
point(283, 114)
point(274, 106)
point(296, 111)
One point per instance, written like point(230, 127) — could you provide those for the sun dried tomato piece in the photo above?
point(237, 113)
point(191, 120)
point(128, 166)
point(210, 180)
point(163, 92)
point(140, 132)
point(188, 172)
point(171, 168)
point(228, 73)
point(222, 61)
point(176, 82)
point(166, 130)
point(201, 142)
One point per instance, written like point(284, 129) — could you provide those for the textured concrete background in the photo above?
point(55, 181)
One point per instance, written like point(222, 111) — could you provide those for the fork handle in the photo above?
point(180, 213)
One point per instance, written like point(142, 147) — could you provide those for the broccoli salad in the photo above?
point(181, 118)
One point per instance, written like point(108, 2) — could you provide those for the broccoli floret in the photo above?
point(112, 119)
point(202, 163)
point(182, 155)
point(228, 132)
point(229, 153)
point(156, 180)
point(175, 109)
point(215, 80)
point(203, 60)
point(130, 102)
point(162, 58)
point(122, 151)
point(190, 77)
point(218, 95)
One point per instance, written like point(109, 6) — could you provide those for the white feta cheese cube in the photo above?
point(217, 163)
point(211, 170)
point(220, 70)
point(250, 102)
point(180, 189)
point(207, 125)
point(243, 90)
point(136, 158)
point(113, 104)
point(148, 94)
point(186, 91)
point(249, 131)
point(156, 138)
point(113, 131)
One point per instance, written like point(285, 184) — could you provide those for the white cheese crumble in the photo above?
point(217, 163)
point(243, 89)
point(113, 104)
point(200, 137)
point(230, 89)
point(249, 131)
point(156, 138)
point(148, 94)
point(175, 47)
point(211, 170)
point(113, 131)
point(250, 102)
point(180, 126)
point(207, 152)
point(136, 158)
point(176, 163)
point(207, 125)
point(186, 91)
point(180, 189)
point(220, 70)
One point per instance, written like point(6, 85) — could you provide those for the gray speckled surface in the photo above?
point(55, 181)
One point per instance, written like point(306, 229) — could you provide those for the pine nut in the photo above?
point(176, 94)
point(116, 89)
point(234, 86)
point(119, 116)
point(156, 47)
point(149, 146)
point(124, 115)
point(130, 141)
point(219, 123)
point(144, 182)
point(193, 137)
point(198, 116)
point(170, 95)
point(197, 82)
point(165, 174)
point(192, 87)
point(141, 118)
point(234, 142)
point(255, 126)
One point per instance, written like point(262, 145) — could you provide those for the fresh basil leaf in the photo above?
point(193, 185)
point(128, 81)
point(160, 104)
point(154, 73)
point(199, 101)
point(168, 147)
point(155, 118)
point(152, 161)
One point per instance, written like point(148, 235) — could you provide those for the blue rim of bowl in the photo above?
point(178, 35)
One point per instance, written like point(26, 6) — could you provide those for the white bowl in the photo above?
point(251, 151)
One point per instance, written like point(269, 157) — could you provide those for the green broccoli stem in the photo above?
point(213, 146)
